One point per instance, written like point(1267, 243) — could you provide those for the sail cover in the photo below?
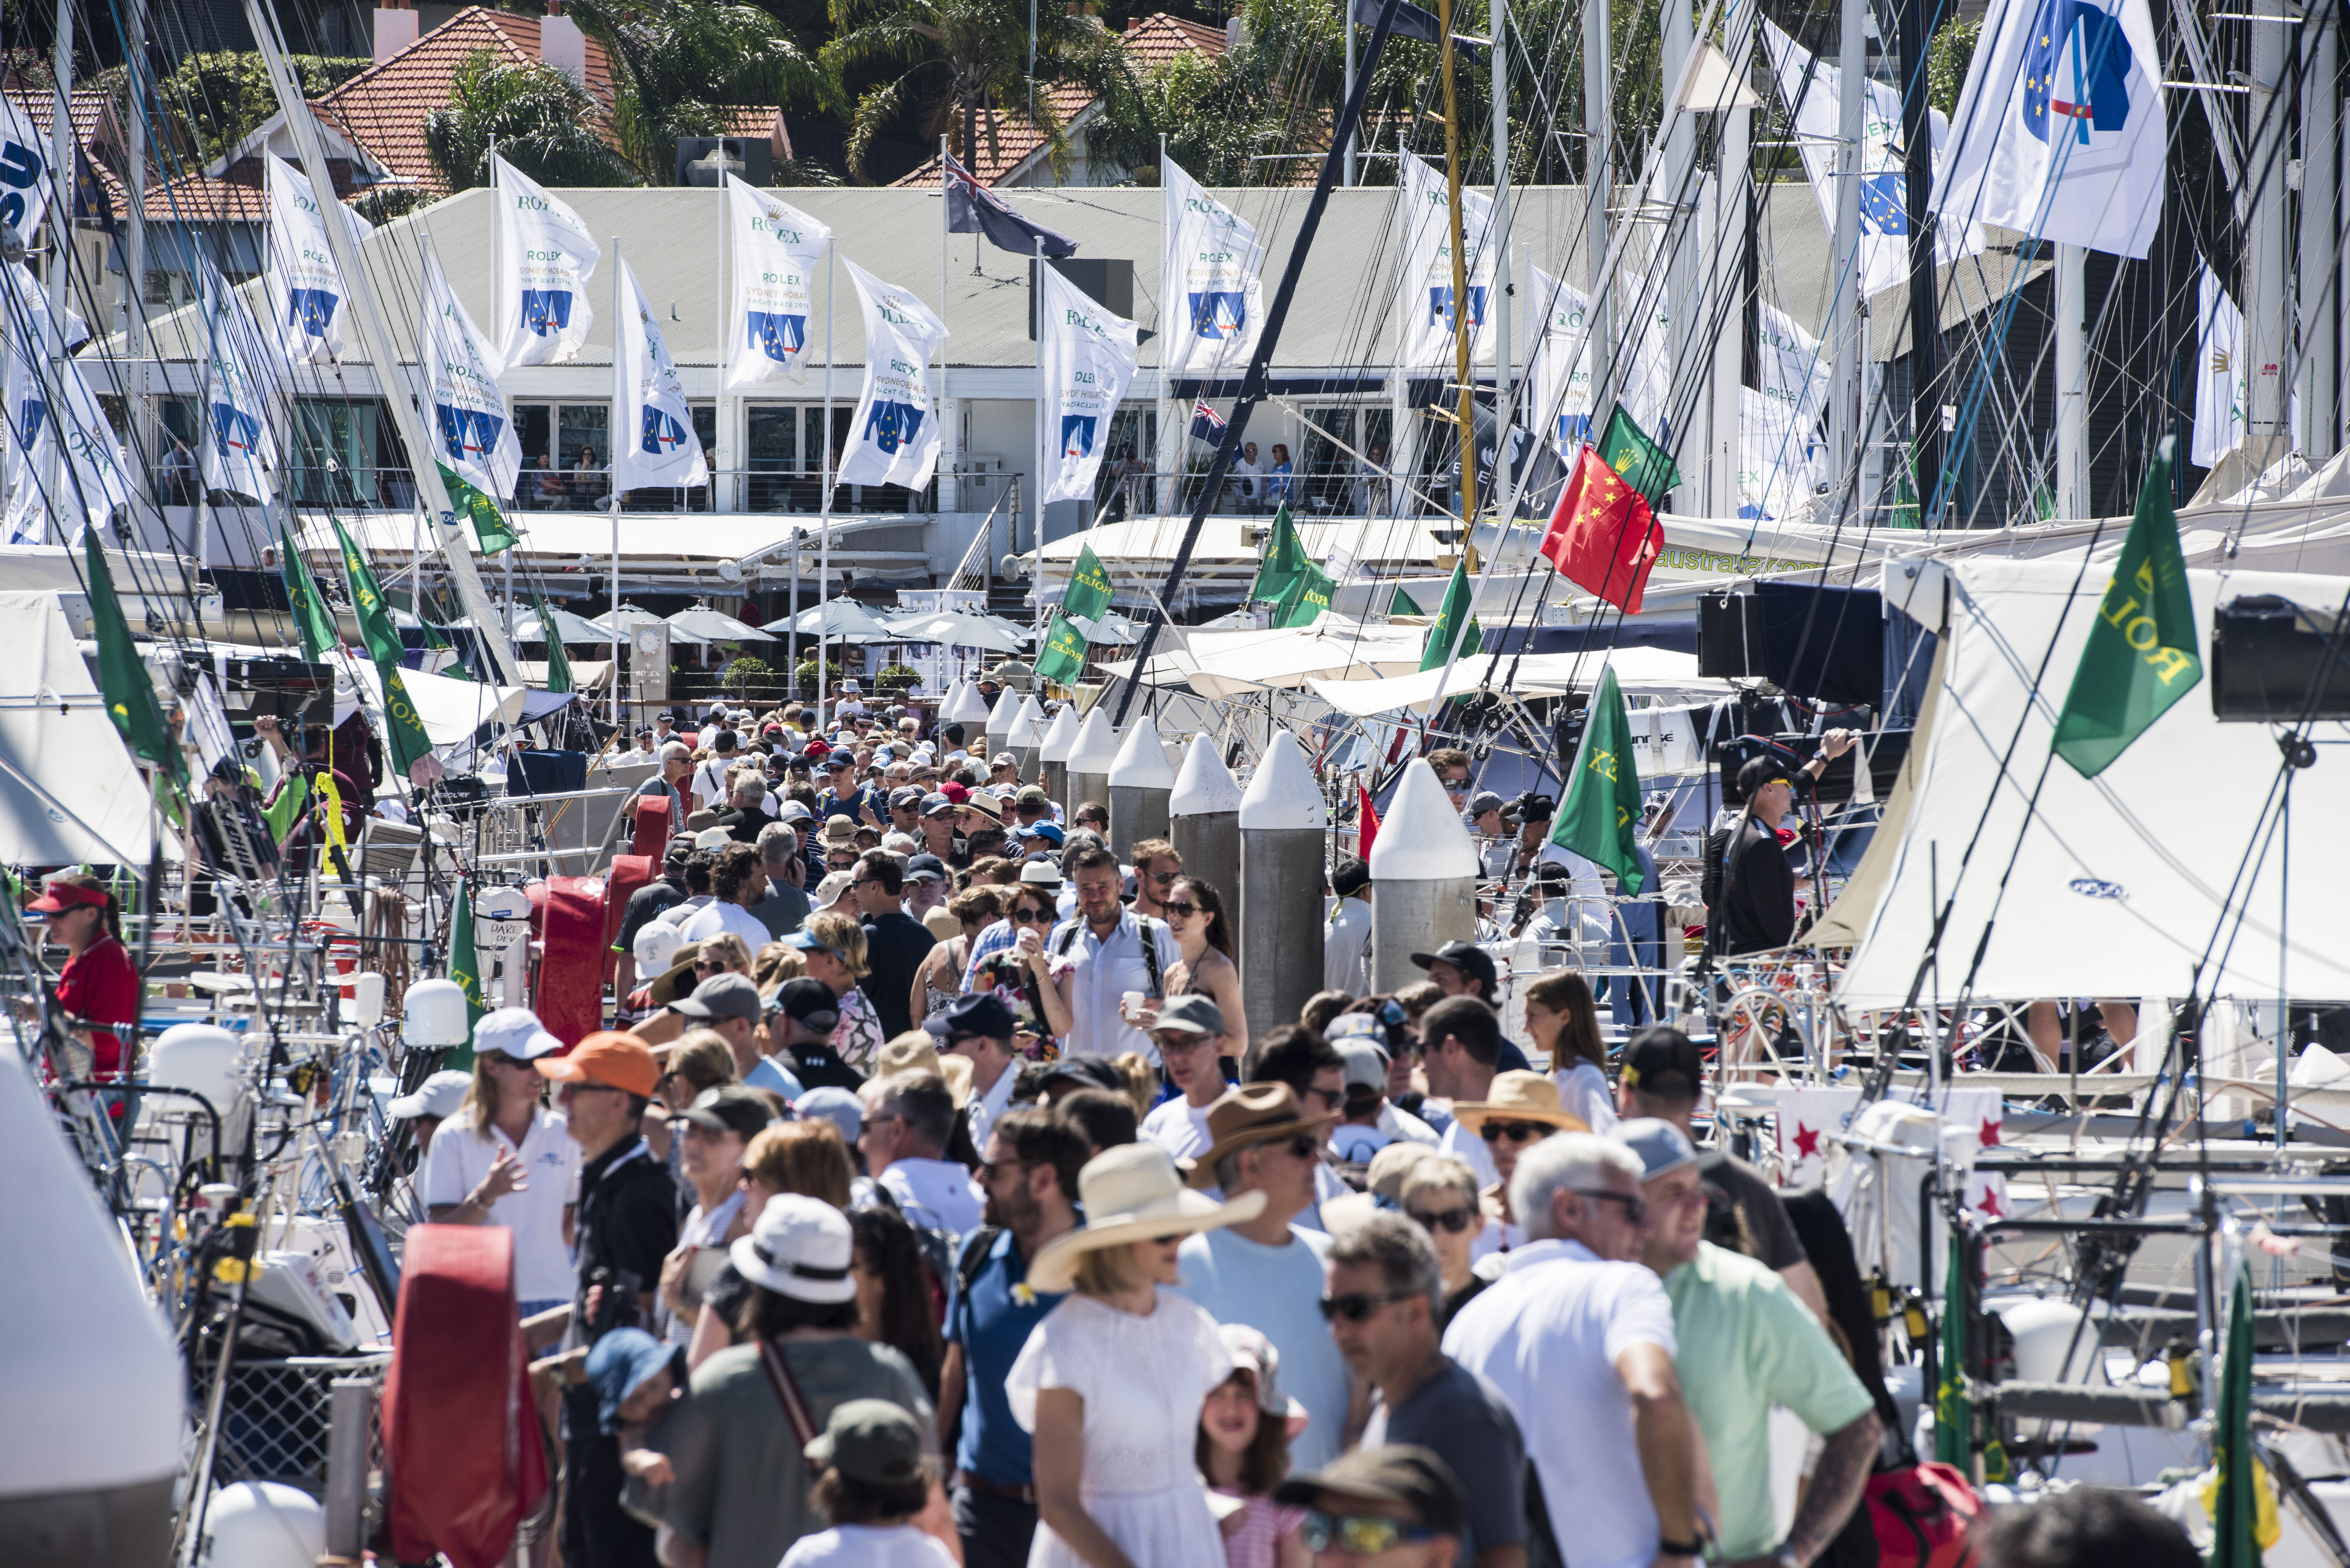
point(68, 792)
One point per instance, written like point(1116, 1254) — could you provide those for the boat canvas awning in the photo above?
point(69, 789)
point(450, 710)
point(1639, 672)
point(2116, 886)
point(1219, 664)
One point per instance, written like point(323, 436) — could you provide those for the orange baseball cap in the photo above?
point(608, 1057)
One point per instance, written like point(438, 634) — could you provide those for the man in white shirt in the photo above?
point(908, 1119)
point(1578, 1336)
point(979, 1027)
point(1100, 955)
point(1250, 472)
point(1190, 1036)
point(1347, 943)
point(1460, 1052)
point(737, 881)
point(710, 788)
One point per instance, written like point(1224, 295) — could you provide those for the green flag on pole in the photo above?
point(1601, 815)
point(1063, 658)
point(1451, 618)
point(2144, 652)
point(1954, 1420)
point(401, 725)
point(489, 525)
point(312, 618)
point(367, 602)
point(1627, 449)
point(558, 663)
point(464, 968)
point(123, 678)
point(1089, 594)
point(1305, 598)
point(2243, 1513)
point(1905, 513)
point(1404, 604)
point(1285, 560)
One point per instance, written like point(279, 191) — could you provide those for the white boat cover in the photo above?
point(69, 789)
point(1639, 672)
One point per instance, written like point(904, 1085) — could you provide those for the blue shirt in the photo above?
point(770, 1074)
point(1277, 1291)
point(993, 1326)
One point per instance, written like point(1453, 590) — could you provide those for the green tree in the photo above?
point(222, 97)
point(544, 123)
point(1947, 59)
point(678, 66)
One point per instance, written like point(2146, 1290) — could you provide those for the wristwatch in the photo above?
point(1691, 1549)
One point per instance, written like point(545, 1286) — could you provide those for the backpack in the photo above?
point(1915, 1516)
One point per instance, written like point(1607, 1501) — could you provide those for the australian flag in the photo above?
point(1207, 425)
point(974, 209)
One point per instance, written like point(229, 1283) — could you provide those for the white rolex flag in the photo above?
point(1214, 312)
point(1792, 368)
point(543, 310)
point(1085, 358)
point(654, 444)
point(1562, 393)
point(475, 439)
point(305, 292)
point(2219, 373)
point(1884, 177)
point(240, 447)
point(25, 184)
point(1778, 462)
point(1428, 269)
point(92, 480)
point(2059, 131)
point(777, 250)
point(894, 435)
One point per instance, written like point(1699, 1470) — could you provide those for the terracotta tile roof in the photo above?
point(1153, 40)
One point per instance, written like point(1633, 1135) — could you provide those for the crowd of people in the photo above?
point(935, 1200)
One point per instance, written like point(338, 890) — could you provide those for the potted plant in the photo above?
point(899, 678)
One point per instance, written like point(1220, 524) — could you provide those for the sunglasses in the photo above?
point(1358, 1534)
point(1361, 1304)
point(1635, 1210)
point(1304, 1146)
point(1452, 1221)
point(1185, 908)
point(703, 963)
point(1029, 916)
point(1516, 1132)
point(1162, 877)
point(1167, 1241)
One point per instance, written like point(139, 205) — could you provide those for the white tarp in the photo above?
point(450, 710)
point(1639, 672)
point(1219, 664)
point(68, 790)
point(2120, 883)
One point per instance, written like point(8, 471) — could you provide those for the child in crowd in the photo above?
point(872, 1484)
point(1243, 1450)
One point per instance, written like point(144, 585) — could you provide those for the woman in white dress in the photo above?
point(1111, 1383)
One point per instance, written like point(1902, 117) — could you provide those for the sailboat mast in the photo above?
point(2321, 216)
point(1925, 315)
point(1599, 163)
point(1456, 240)
point(2265, 296)
point(1844, 295)
point(1497, 292)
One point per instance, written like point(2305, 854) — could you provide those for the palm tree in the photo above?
point(679, 65)
point(950, 59)
point(544, 123)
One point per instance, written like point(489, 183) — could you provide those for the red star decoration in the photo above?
point(1991, 1135)
point(1807, 1142)
point(1990, 1204)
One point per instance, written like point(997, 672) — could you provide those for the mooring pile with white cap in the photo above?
point(1423, 879)
point(1141, 780)
point(1204, 818)
point(1053, 753)
point(1282, 822)
point(1027, 734)
point(1089, 760)
point(967, 708)
point(1000, 721)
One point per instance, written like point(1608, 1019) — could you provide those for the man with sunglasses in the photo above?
point(1157, 869)
point(1396, 1507)
point(1385, 1308)
point(1190, 1036)
point(1578, 1336)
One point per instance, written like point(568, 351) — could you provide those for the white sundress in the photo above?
point(1144, 1380)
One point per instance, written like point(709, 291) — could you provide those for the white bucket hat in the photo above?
point(802, 1248)
point(1131, 1193)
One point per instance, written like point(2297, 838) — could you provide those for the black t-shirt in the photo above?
point(1748, 1212)
point(628, 1221)
point(646, 904)
point(816, 1068)
point(743, 823)
point(1758, 897)
point(894, 946)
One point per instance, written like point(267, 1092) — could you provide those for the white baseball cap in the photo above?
point(655, 946)
point(437, 1096)
point(517, 1032)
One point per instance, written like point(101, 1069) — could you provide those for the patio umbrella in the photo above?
point(628, 618)
point(843, 620)
point(955, 630)
point(569, 626)
point(717, 626)
point(1112, 627)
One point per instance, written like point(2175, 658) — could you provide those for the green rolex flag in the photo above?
point(366, 601)
point(2144, 652)
point(401, 725)
point(1088, 593)
point(489, 525)
point(1450, 619)
point(1306, 598)
point(1627, 449)
point(1285, 560)
point(1601, 815)
point(123, 678)
point(2235, 1499)
point(1954, 1419)
point(312, 618)
point(464, 968)
point(558, 663)
point(1063, 659)
point(1404, 604)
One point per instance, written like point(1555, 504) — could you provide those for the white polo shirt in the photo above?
point(460, 1158)
point(1180, 1127)
point(1546, 1334)
point(718, 919)
point(936, 1193)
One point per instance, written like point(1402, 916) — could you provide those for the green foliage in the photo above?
point(745, 670)
point(222, 97)
point(679, 65)
point(544, 123)
point(1947, 59)
point(804, 677)
point(385, 202)
point(897, 677)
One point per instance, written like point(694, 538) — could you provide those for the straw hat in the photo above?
point(1518, 1097)
point(915, 1052)
point(1132, 1193)
point(678, 979)
point(1252, 1114)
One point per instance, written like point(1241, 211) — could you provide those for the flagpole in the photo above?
point(1036, 578)
point(823, 457)
point(620, 401)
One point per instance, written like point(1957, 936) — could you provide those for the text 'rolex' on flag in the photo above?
point(655, 443)
point(1602, 537)
point(1085, 358)
point(1813, 90)
point(1214, 312)
point(306, 290)
point(476, 441)
point(777, 249)
point(240, 447)
point(543, 311)
point(1562, 391)
point(2059, 131)
point(974, 209)
point(1427, 268)
point(52, 408)
point(893, 437)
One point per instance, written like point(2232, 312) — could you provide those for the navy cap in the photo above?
point(974, 1012)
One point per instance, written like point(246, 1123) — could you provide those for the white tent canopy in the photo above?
point(570, 628)
point(68, 790)
point(953, 629)
point(842, 619)
point(1639, 672)
point(2120, 883)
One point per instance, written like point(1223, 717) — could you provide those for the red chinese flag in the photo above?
point(1603, 538)
point(1370, 828)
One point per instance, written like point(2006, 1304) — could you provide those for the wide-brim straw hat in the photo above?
point(1518, 1097)
point(1132, 1193)
point(1250, 1115)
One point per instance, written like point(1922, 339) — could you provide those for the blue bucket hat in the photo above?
point(619, 1365)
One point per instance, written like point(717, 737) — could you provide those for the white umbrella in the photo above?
point(843, 620)
point(956, 629)
point(628, 618)
point(1112, 627)
point(717, 626)
point(570, 628)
